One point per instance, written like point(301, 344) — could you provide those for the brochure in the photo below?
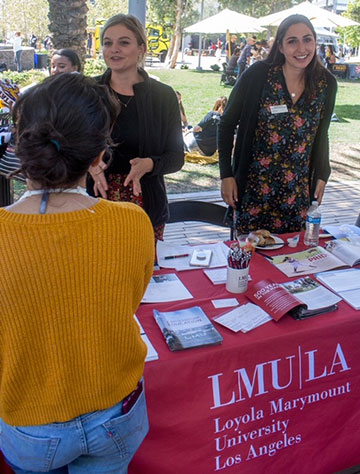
point(151, 352)
point(277, 300)
point(187, 328)
point(163, 288)
point(244, 318)
point(346, 283)
point(312, 260)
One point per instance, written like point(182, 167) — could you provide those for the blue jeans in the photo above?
point(98, 442)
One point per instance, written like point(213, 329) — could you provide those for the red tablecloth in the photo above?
point(283, 398)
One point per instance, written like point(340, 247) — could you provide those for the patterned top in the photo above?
point(277, 191)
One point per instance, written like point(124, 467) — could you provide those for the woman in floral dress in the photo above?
point(282, 109)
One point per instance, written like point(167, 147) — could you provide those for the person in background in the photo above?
point(72, 382)
point(281, 108)
point(245, 55)
point(203, 138)
point(231, 67)
point(47, 42)
point(17, 50)
point(184, 121)
point(231, 46)
point(33, 41)
point(330, 57)
point(64, 60)
point(148, 130)
point(89, 44)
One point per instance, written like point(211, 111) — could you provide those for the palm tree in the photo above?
point(68, 22)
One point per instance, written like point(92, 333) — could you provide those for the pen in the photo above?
point(264, 255)
point(169, 257)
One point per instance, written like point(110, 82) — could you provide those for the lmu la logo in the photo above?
point(308, 371)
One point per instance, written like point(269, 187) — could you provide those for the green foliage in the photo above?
point(352, 33)
point(256, 8)
point(24, 78)
point(104, 9)
point(30, 16)
point(94, 67)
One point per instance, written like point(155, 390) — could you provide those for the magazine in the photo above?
point(187, 328)
point(346, 283)
point(316, 259)
point(277, 300)
point(347, 252)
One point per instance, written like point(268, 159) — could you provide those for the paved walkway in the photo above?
point(341, 205)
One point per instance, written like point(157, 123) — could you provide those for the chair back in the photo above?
point(358, 220)
point(200, 211)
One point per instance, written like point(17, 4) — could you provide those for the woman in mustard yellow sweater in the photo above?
point(73, 272)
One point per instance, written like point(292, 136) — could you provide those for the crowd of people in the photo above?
point(94, 152)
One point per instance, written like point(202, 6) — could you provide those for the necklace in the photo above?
point(127, 103)
point(45, 194)
point(293, 94)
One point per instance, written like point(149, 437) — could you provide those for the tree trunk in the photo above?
point(68, 22)
point(177, 41)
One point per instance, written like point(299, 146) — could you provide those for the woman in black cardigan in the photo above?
point(282, 107)
point(147, 133)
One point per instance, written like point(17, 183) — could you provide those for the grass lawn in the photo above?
point(200, 89)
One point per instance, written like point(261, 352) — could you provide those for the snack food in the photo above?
point(263, 237)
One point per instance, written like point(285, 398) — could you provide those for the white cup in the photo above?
point(237, 279)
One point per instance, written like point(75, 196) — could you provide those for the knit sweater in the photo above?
point(69, 287)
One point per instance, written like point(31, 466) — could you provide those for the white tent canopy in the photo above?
point(229, 20)
point(318, 16)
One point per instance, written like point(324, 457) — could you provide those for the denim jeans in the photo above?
point(98, 442)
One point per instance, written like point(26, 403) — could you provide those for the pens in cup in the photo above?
point(169, 257)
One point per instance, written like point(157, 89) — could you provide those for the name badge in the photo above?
point(278, 109)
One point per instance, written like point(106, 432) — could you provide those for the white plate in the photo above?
point(278, 244)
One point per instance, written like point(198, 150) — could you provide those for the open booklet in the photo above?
point(346, 283)
point(301, 298)
point(187, 328)
point(316, 259)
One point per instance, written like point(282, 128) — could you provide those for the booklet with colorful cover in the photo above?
point(187, 328)
point(313, 260)
point(277, 300)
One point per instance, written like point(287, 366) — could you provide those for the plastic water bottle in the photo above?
point(313, 220)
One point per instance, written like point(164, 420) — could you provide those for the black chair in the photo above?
point(227, 78)
point(200, 211)
point(358, 220)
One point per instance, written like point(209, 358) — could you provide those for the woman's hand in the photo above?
point(319, 190)
point(229, 191)
point(98, 175)
point(139, 167)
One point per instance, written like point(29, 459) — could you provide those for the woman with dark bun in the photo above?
point(147, 133)
point(281, 110)
point(64, 60)
point(72, 359)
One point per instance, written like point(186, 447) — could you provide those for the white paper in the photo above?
point(151, 352)
point(346, 283)
point(217, 276)
point(218, 259)
point(341, 231)
point(163, 288)
point(244, 318)
point(225, 302)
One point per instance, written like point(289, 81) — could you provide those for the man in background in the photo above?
point(245, 55)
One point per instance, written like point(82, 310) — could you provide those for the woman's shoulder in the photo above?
point(330, 79)
point(124, 209)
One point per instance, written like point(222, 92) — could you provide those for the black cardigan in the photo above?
point(160, 138)
point(243, 108)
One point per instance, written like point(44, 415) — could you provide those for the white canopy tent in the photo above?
point(226, 20)
point(318, 16)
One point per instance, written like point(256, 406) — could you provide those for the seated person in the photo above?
point(203, 138)
point(231, 67)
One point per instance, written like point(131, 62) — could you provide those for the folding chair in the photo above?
point(358, 220)
point(200, 211)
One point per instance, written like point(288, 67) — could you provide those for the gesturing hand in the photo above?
point(229, 191)
point(139, 167)
point(98, 175)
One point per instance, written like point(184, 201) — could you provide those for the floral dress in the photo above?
point(276, 195)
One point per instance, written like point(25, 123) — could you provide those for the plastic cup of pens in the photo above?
point(238, 268)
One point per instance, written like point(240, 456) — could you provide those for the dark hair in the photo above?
point(131, 23)
point(62, 125)
point(71, 55)
point(314, 70)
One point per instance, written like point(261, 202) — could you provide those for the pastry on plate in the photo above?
point(262, 237)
